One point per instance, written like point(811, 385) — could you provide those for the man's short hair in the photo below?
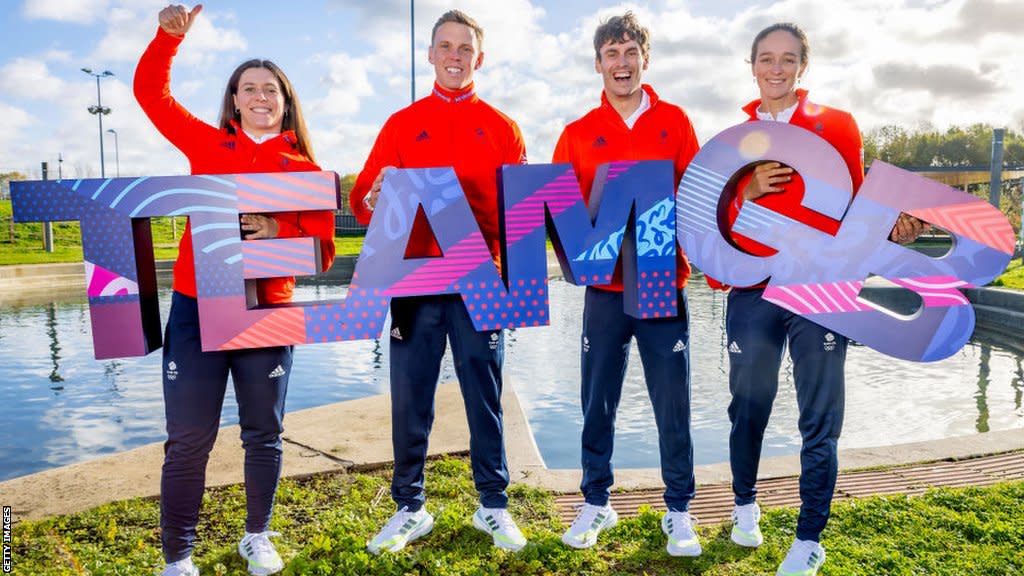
point(622, 29)
point(459, 17)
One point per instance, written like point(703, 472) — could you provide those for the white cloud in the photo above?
point(30, 79)
point(346, 81)
point(132, 27)
point(76, 11)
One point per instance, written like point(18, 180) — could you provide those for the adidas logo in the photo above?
point(679, 347)
point(734, 348)
point(396, 333)
point(277, 372)
point(423, 136)
point(600, 142)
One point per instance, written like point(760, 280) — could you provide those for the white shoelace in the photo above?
point(260, 542)
point(504, 519)
point(398, 520)
point(588, 513)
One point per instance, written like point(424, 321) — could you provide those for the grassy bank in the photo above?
point(1013, 277)
point(326, 521)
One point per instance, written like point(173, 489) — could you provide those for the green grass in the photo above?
point(1013, 277)
point(327, 520)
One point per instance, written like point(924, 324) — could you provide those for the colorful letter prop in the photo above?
point(122, 285)
point(118, 250)
point(820, 276)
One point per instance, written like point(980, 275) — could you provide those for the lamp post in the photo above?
point(99, 110)
point(117, 153)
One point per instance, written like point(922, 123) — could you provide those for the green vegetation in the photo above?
point(957, 146)
point(22, 243)
point(326, 521)
point(1013, 277)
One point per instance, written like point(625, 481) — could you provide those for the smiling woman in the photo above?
point(261, 129)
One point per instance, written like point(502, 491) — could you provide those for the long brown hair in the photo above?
point(293, 119)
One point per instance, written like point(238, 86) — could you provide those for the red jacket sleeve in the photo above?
point(384, 153)
point(152, 85)
point(851, 148)
point(517, 149)
point(562, 153)
point(688, 150)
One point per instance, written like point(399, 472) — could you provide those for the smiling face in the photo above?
point(777, 66)
point(621, 65)
point(260, 102)
point(455, 54)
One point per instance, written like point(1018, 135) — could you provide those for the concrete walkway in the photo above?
point(356, 435)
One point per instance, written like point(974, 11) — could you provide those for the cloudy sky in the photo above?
point(907, 62)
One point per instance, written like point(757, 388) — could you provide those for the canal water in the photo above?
point(58, 405)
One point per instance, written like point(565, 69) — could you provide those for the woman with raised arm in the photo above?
point(261, 129)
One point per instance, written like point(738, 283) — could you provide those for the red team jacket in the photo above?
point(213, 151)
point(663, 132)
point(840, 130)
point(446, 128)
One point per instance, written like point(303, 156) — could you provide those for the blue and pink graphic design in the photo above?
point(820, 276)
point(121, 277)
point(118, 251)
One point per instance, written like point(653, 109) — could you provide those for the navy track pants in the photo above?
point(664, 351)
point(194, 383)
point(758, 332)
point(423, 325)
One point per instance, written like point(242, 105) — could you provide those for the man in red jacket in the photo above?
point(631, 123)
point(450, 127)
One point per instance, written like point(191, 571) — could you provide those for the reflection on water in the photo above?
point(51, 331)
point(58, 405)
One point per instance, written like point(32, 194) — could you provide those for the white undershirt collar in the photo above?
point(645, 105)
point(783, 116)
point(261, 139)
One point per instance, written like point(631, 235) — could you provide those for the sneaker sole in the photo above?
point(479, 525)
point(417, 533)
point(266, 571)
point(690, 551)
point(742, 539)
point(258, 571)
point(610, 522)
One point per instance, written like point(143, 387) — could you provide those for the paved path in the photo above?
point(356, 435)
point(713, 504)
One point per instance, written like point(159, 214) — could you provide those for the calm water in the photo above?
point(58, 405)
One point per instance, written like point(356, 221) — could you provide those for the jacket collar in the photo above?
point(645, 87)
point(455, 96)
point(801, 100)
point(288, 136)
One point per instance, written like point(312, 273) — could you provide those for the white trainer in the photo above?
point(259, 551)
point(183, 567)
point(682, 538)
point(804, 558)
point(590, 521)
point(746, 530)
point(499, 524)
point(402, 528)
